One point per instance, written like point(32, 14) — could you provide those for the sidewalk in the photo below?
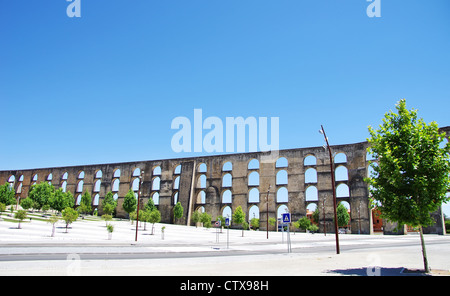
point(313, 254)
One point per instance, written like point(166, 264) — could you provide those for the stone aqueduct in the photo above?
point(296, 177)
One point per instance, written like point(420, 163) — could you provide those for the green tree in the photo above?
point(342, 215)
point(154, 217)
point(178, 211)
point(110, 229)
point(411, 178)
point(7, 194)
point(41, 194)
point(150, 206)
point(195, 218)
point(205, 218)
point(60, 200)
point(254, 222)
point(239, 217)
point(2, 208)
point(109, 204)
point(313, 228)
point(85, 204)
point(26, 203)
point(129, 202)
point(304, 223)
point(20, 215)
point(69, 215)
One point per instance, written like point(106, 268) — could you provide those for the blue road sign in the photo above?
point(286, 218)
point(227, 221)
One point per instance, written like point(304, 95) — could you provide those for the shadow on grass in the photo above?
point(378, 271)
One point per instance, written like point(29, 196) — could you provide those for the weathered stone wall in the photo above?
point(166, 183)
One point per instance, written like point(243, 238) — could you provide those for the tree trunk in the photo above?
point(424, 251)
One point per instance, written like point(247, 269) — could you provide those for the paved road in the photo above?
point(48, 252)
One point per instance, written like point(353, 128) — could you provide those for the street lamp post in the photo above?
point(322, 131)
point(324, 221)
point(139, 197)
point(267, 207)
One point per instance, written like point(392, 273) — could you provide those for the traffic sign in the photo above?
point(217, 224)
point(227, 221)
point(286, 218)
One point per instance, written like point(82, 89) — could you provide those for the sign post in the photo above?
point(286, 219)
point(217, 224)
point(227, 224)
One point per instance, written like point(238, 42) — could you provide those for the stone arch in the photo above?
point(311, 175)
point(340, 157)
point(311, 193)
point(253, 179)
point(253, 195)
point(341, 173)
point(310, 159)
point(227, 180)
point(342, 190)
point(253, 212)
point(282, 195)
point(282, 177)
point(253, 164)
point(281, 162)
point(227, 197)
point(227, 166)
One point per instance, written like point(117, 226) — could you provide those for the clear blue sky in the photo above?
point(105, 87)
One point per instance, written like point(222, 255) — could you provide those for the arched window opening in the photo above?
point(202, 168)
point(135, 184)
point(97, 186)
point(253, 212)
point(155, 198)
point(228, 166)
point(281, 210)
point(253, 164)
point(312, 194)
point(80, 186)
point(99, 174)
point(156, 183)
point(340, 158)
point(176, 183)
point(341, 173)
point(227, 196)
point(311, 176)
point(227, 180)
point(282, 195)
point(282, 162)
point(253, 195)
point(310, 160)
point(116, 184)
point(282, 177)
point(157, 171)
point(136, 172)
point(342, 191)
point(201, 197)
point(253, 179)
point(177, 170)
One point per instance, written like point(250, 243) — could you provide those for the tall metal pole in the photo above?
point(324, 221)
point(139, 197)
point(334, 192)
